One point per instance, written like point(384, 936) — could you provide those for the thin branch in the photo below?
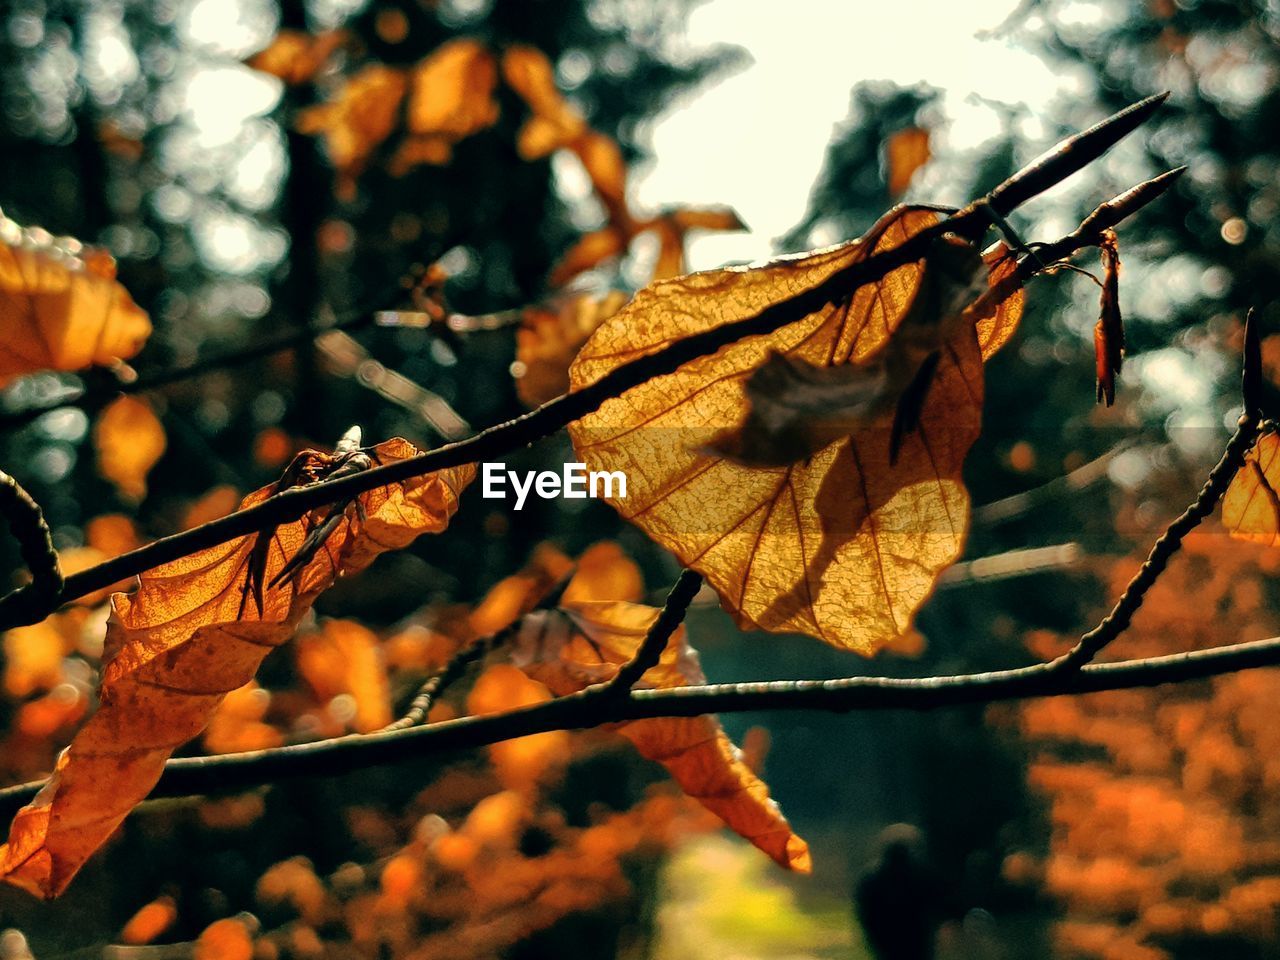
point(27, 524)
point(189, 776)
point(105, 387)
point(1241, 442)
point(436, 685)
point(1081, 478)
point(17, 609)
point(655, 641)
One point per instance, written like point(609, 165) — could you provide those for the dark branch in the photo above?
point(1170, 542)
point(655, 641)
point(27, 524)
point(188, 776)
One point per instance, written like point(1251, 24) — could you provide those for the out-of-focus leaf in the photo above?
point(905, 152)
point(296, 56)
point(522, 762)
point(345, 658)
point(842, 545)
point(357, 120)
point(550, 337)
point(130, 441)
point(185, 639)
point(586, 642)
point(554, 122)
point(59, 310)
point(451, 98)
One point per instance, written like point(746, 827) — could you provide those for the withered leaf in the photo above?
point(842, 545)
point(586, 642)
point(181, 643)
point(1108, 333)
point(61, 310)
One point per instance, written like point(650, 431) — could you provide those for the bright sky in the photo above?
point(756, 140)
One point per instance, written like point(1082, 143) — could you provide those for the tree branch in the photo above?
point(655, 641)
point(27, 524)
point(1162, 551)
point(188, 776)
point(17, 608)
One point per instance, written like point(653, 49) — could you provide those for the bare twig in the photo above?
point(1241, 442)
point(650, 650)
point(499, 440)
point(188, 776)
point(478, 649)
point(27, 524)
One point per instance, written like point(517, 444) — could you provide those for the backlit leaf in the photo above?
point(586, 642)
point(185, 639)
point(1251, 506)
point(59, 310)
point(842, 545)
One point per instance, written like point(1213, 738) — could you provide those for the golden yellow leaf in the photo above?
point(296, 56)
point(843, 545)
point(357, 120)
point(130, 441)
point(1251, 505)
point(585, 643)
point(905, 152)
point(549, 338)
point(60, 311)
point(188, 636)
point(451, 99)
point(345, 658)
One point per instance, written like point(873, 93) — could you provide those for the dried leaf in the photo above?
point(586, 642)
point(451, 99)
point(296, 56)
point(843, 546)
point(130, 441)
point(1108, 333)
point(59, 310)
point(1251, 505)
point(550, 336)
point(357, 121)
point(905, 152)
point(184, 640)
